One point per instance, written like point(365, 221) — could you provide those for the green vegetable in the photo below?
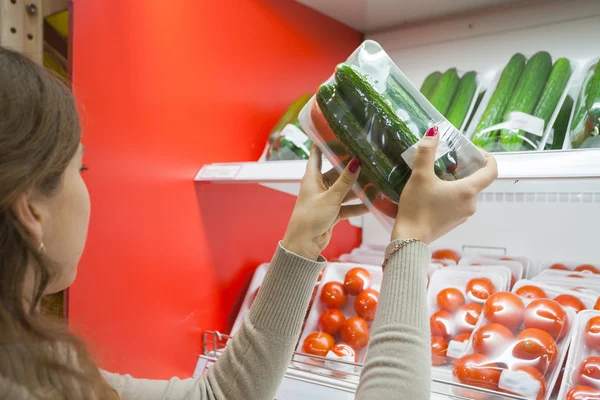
point(593, 104)
point(475, 107)
point(587, 118)
point(429, 84)
point(400, 99)
point(444, 91)
point(561, 123)
point(462, 99)
point(555, 86)
point(495, 108)
point(376, 167)
point(525, 97)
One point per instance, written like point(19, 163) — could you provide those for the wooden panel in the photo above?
point(21, 27)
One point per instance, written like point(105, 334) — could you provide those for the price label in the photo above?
point(520, 383)
point(456, 349)
point(219, 172)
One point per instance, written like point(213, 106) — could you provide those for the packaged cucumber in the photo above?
point(369, 110)
point(287, 141)
point(584, 129)
point(521, 110)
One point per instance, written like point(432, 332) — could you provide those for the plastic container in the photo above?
point(368, 109)
point(287, 141)
point(577, 266)
point(584, 358)
point(528, 132)
point(516, 267)
point(576, 299)
point(584, 126)
point(513, 348)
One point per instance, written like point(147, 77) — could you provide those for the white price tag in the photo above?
point(520, 121)
point(339, 366)
point(519, 383)
point(456, 349)
point(223, 172)
point(296, 136)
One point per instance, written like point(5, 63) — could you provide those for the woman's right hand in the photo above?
point(430, 207)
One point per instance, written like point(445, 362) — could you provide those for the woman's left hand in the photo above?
point(319, 208)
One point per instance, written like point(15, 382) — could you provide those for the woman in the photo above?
point(44, 213)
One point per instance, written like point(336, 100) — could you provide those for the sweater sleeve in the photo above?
point(255, 360)
point(399, 356)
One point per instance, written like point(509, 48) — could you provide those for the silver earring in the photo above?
point(41, 247)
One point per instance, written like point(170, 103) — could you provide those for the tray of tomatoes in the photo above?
point(574, 299)
point(581, 379)
point(574, 266)
point(517, 347)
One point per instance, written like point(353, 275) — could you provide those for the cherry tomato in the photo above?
point(318, 344)
point(506, 309)
point(531, 292)
point(592, 333)
point(365, 304)
point(357, 280)
point(439, 347)
point(588, 372)
point(466, 317)
point(446, 254)
point(491, 339)
point(587, 268)
point(597, 305)
point(476, 370)
point(480, 289)
point(583, 393)
point(355, 332)
point(536, 348)
point(567, 300)
point(333, 295)
point(344, 350)
point(547, 315)
point(535, 374)
point(442, 324)
point(559, 266)
point(450, 299)
point(463, 337)
point(331, 321)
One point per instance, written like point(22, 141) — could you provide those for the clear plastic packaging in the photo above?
point(516, 267)
point(582, 371)
point(287, 141)
point(522, 103)
point(584, 127)
point(518, 347)
point(575, 299)
point(577, 266)
point(369, 110)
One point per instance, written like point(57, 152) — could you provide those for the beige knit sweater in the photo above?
point(253, 365)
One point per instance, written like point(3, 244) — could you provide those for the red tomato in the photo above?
point(536, 348)
point(343, 350)
point(547, 315)
point(331, 321)
point(531, 292)
point(491, 339)
point(476, 370)
point(333, 295)
point(506, 309)
point(357, 280)
point(355, 332)
point(446, 254)
point(592, 333)
point(318, 344)
point(365, 304)
point(463, 337)
point(480, 289)
point(466, 317)
point(439, 347)
point(535, 374)
point(597, 305)
point(450, 299)
point(567, 300)
point(559, 266)
point(442, 324)
point(587, 268)
point(583, 393)
point(588, 373)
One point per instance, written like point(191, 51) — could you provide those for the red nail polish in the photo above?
point(354, 164)
point(432, 131)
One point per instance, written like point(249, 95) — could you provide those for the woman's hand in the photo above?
point(430, 207)
point(319, 208)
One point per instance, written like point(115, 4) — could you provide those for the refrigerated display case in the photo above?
point(544, 205)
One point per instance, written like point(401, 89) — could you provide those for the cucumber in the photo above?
point(375, 166)
point(582, 124)
point(429, 84)
point(561, 123)
point(444, 91)
point(405, 104)
point(497, 104)
point(555, 86)
point(524, 99)
point(593, 103)
point(462, 99)
point(475, 107)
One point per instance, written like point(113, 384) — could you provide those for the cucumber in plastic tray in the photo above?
point(369, 110)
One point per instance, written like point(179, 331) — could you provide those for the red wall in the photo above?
point(166, 87)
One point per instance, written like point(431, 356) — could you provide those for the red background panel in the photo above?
point(164, 88)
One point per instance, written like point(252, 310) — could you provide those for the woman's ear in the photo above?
point(28, 216)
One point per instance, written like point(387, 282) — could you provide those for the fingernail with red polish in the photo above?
point(432, 131)
point(354, 164)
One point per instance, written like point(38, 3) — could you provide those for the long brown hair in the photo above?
point(39, 135)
